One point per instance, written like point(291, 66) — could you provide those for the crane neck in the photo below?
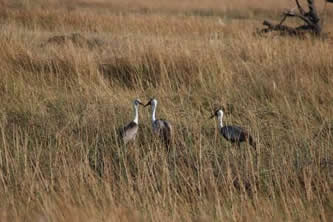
point(220, 122)
point(136, 114)
point(153, 117)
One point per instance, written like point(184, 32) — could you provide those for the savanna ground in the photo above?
point(71, 69)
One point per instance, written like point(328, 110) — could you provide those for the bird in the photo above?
point(234, 134)
point(160, 127)
point(128, 133)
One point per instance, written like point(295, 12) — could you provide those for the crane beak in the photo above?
point(141, 103)
point(149, 103)
point(212, 116)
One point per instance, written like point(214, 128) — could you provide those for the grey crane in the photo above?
point(160, 127)
point(234, 134)
point(128, 133)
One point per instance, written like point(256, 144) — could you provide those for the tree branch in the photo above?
point(282, 28)
point(310, 18)
point(304, 18)
point(301, 10)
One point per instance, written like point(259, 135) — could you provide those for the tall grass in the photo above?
point(62, 103)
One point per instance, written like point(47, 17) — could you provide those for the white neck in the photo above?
point(220, 123)
point(136, 115)
point(153, 108)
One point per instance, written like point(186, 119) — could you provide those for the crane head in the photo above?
point(152, 101)
point(217, 112)
point(138, 102)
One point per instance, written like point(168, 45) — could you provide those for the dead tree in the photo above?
point(310, 18)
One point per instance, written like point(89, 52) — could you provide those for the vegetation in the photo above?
point(71, 69)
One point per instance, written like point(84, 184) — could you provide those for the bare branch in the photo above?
point(304, 18)
point(283, 19)
point(282, 28)
point(301, 10)
point(310, 18)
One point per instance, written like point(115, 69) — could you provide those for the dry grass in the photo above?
point(62, 101)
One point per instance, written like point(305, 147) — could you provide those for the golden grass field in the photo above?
point(63, 98)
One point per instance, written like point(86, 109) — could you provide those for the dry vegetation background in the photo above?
point(71, 69)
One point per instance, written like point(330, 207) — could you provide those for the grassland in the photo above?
point(63, 98)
